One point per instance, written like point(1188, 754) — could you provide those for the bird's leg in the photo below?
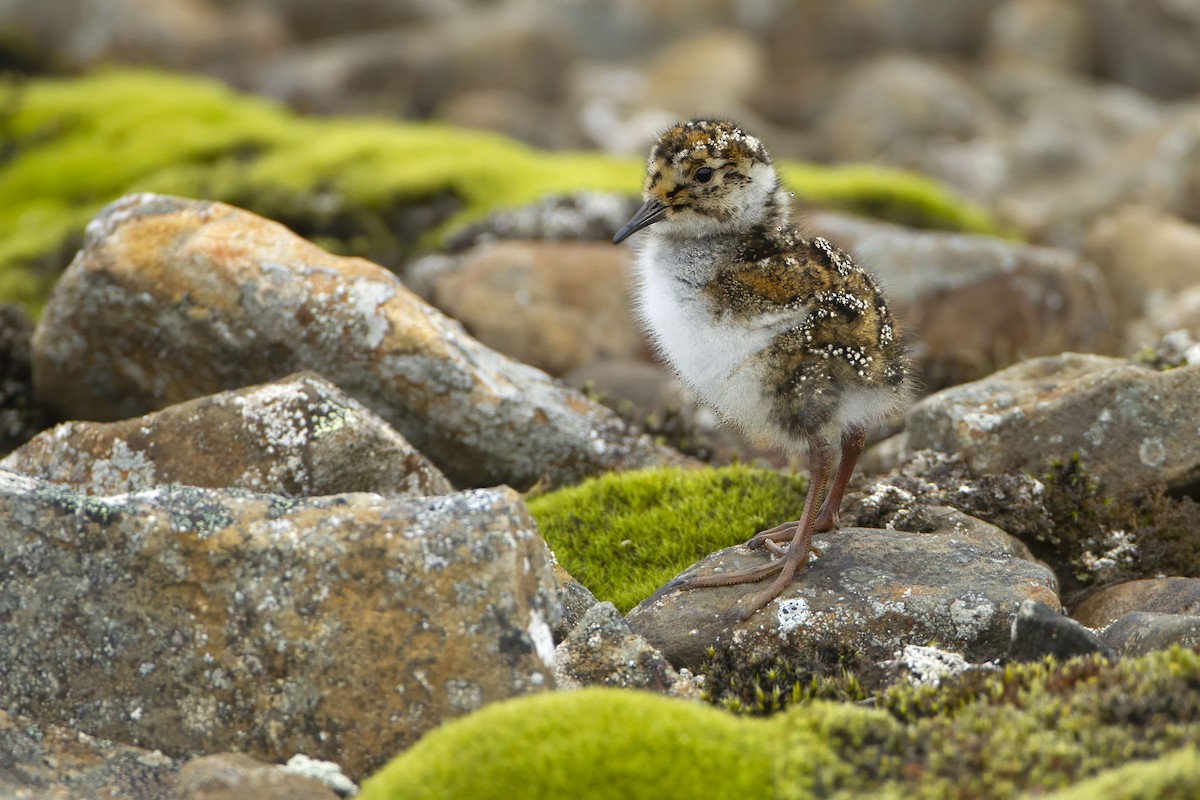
point(796, 556)
point(853, 442)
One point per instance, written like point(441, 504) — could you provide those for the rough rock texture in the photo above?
point(871, 594)
point(172, 299)
point(1039, 631)
point(300, 436)
point(555, 305)
point(975, 303)
point(576, 600)
point(603, 651)
point(48, 762)
point(1132, 427)
point(1150, 44)
point(193, 620)
point(1141, 632)
point(1158, 595)
point(233, 776)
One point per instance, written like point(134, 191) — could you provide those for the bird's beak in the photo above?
point(650, 212)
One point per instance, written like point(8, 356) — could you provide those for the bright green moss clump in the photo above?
point(624, 535)
point(69, 146)
point(1086, 728)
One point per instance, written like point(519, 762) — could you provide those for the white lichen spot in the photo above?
point(970, 614)
point(367, 296)
point(1120, 551)
point(927, 666)
point(792, 613)
point(1095, 433)
point(327, 772)
point(1152, 452)
point(542, 638)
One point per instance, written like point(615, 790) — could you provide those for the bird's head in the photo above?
point(704, 177)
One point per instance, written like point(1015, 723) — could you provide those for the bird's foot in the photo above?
point(786, 531)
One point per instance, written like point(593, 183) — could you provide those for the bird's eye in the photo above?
point(704, 175)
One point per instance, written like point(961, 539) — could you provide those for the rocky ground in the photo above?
point(278, 519)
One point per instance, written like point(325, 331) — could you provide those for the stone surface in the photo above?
point(48, 762)
point(603, 651)
point(1140, 632)
point(1157, 595)
point(1039, 631)
point(1131, 426)
point(172, 299)
point(300, 436)
point(1147, 257)
point(576, 600)
point(233, 776)
point(1149, 44)
point(871, 594)
point(195, 621)
point(976, 303)
point(555, 306)
point(1051, 33)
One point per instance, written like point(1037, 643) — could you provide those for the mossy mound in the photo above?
point(624, 535)
point(1075, 727)
point(362, 186)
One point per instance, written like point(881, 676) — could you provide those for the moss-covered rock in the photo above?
point(1037, 728)
point(624, 535)
point(360, 186)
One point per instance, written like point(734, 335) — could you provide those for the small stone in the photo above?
point(1039, 630)
point(1156, 595)
point(234, 776)
point(603, 651)
point(1141, 632)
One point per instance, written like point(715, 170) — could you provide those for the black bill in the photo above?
point(650, 212)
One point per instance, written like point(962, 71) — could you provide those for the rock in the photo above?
point(1159, 168)
point(1129, 425)
point(1173, 324)
point(1039, 631)
point(1050, 33)
point(964, 527)
point(233, 776)
point(893, 108)
point(925, 666)
point(1157, 595)
point(1141, 632)
point(1147, 257)
point(576, 599)
point(603, 651)
point(555, 306)
point(20, 414)
point(300, 436)
point(871, 594)
point(195, 621)
point(913, 496)
point(581, 216)
point(172, 299)
point(44, 762)
point(975, 303)
point(1149, 44)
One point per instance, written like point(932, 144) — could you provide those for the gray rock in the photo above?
point(1155, 595)
point(172, 299)
point(234, 776)
point(603, 651)
point(1131, 426)
point(1141, 632)
point(300, 436)
point(576, 600)
point(872, 593)
point(1039, 631)
point(976, 303)
point(193, 620)
point(47, 762)
point(1149, 44)
point(1051, 33)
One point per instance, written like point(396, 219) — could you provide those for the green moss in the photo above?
point(595, 743)
point(1035, 729)
point(365, 186)
point(624, 535)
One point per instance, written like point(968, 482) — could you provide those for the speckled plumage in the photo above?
point(784, 335)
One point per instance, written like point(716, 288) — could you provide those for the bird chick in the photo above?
point(785, 336)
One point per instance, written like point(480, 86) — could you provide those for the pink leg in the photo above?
point(853, 442)
point(796, 557)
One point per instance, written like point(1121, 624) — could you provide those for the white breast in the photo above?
point(713, 354)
